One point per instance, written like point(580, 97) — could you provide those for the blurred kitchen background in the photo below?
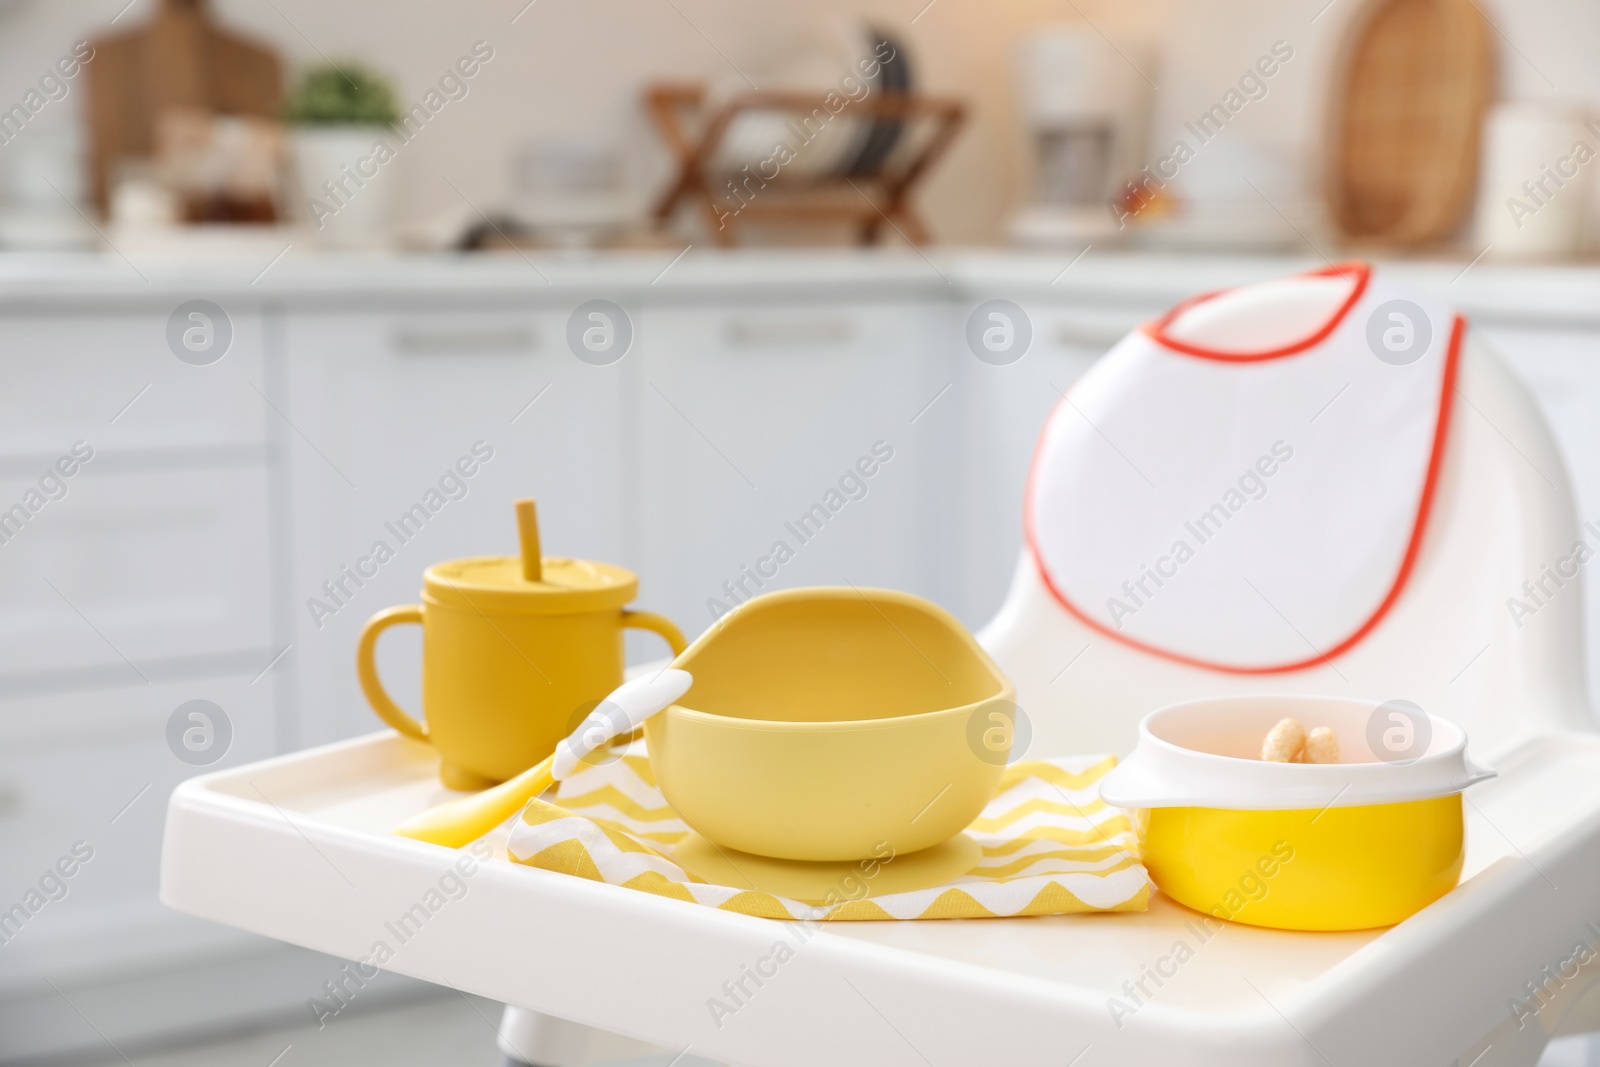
point(268, 268)
point(1063, 100)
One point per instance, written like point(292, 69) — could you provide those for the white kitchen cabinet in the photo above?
point(754, 414)
point(156, 547)
point(141, 581)
point(136, 567)
point(109, 377)
point(383, 405)
point(95, 767)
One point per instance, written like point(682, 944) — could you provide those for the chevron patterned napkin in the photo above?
point(1049, 845)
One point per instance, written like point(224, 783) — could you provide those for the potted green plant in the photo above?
point(341, 117)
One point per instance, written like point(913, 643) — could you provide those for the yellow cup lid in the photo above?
point(495, 585)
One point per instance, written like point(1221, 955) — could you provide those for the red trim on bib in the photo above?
point(1357, 269)
point(1407, 562)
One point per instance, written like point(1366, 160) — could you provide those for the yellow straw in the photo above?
point(528, 530)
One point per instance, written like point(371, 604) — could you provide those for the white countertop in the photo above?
point(1546, 295)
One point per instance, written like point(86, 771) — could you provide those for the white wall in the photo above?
point(576, 66)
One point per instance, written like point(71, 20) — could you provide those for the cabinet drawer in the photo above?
point(96, 768)
point(113, 380)
point(131, 567)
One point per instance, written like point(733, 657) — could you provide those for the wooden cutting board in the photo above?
point(179, 59)
point(1408, 106)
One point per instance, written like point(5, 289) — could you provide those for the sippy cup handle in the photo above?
point(658, 624)
point(367, 669)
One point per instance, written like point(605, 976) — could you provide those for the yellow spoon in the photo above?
point(463, 821)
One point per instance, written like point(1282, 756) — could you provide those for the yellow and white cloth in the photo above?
point(1050, 846)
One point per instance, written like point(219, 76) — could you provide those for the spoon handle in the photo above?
point(464, 821)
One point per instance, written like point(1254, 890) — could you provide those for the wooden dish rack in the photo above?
point(866, 200)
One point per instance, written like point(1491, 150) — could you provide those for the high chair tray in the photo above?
point(297, 848)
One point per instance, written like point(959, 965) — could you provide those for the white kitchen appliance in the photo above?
point(1086, 107)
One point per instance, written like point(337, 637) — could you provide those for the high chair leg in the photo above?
point(537, 1040)
point(528, 1037)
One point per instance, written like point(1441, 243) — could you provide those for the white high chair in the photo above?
point(1502, 513)
point(297, 848)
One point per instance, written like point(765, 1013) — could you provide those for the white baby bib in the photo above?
point(1248, 506)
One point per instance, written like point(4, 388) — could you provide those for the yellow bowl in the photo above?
point(1361, 843)
point(834, 724)
point(1300, 869)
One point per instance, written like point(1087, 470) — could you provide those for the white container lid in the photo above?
point(1205, 754)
